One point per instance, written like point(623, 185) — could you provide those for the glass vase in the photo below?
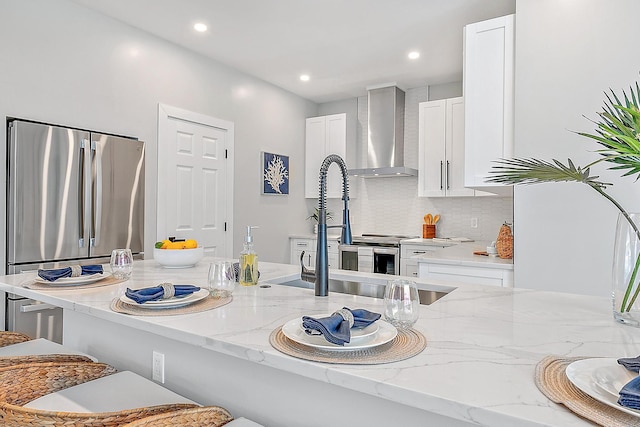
point(626, 274)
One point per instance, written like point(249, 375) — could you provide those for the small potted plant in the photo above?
point(315, 216)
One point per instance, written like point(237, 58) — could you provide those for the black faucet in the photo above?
point(322, 256)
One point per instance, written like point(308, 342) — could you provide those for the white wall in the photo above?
point(567, 54)
point(67, 65)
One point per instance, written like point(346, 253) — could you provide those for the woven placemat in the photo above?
point(32, 284)
point(406, 344)
point(208, 303)
point(552, 381)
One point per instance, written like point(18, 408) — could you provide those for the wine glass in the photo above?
point(221, 279)
point(121, 263)
point(401, 303)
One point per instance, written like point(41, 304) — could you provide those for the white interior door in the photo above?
point(195, 179)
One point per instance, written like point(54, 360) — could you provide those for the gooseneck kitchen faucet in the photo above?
point(322, 256)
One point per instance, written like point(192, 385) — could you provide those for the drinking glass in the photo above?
point(401, 303)
point(121, 263)
point(221, 279)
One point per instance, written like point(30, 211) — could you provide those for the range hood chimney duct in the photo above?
point(385, 144)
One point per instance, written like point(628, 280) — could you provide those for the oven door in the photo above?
point(348, 257)
point(386, 260)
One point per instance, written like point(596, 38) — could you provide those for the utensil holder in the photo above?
point(428, 231)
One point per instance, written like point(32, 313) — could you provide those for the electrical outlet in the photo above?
point(158, 367)
point(474, 222)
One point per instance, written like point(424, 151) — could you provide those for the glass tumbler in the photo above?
point(121, 263)
point(221, 279)
point(401, 303)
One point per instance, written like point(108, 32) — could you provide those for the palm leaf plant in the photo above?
point(618, 134)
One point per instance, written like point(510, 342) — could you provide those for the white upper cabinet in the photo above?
point(441, 149)
point(489, 98)
point(324, 135)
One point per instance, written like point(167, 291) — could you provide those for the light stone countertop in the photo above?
point(483, 341)
point(460, 254)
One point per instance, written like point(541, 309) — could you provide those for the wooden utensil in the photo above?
point(428, 219)
point(436, 219)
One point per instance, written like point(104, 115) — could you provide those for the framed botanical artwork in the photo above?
point(275, 173)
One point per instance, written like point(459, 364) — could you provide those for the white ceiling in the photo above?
point(344, 45)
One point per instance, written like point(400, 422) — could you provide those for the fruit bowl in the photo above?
point(178, 258)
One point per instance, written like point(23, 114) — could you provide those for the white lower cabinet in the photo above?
point(466, 274)
point(408, 260)
point(309, 246)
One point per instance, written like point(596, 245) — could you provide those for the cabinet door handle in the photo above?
point(419, 252)
point(415, 273)
point(447, 174)
point(441, 174)
point(301, 244)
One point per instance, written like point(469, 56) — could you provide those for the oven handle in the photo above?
point(348, 248)
point(385, 250)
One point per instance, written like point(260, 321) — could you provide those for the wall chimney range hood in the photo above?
point(385, 143)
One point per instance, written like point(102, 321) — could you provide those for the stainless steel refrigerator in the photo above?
point(73, 196)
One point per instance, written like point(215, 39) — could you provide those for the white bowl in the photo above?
point(178, 258)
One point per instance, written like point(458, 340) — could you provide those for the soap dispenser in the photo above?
point(248, 261)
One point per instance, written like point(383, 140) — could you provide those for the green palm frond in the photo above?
point(619, 132)
point(533, 171)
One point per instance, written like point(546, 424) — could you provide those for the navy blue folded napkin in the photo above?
point(162, 291)
point(60, 273)
point(631, 363)
point(337, 328)
point(630, 394)
point(236, 270)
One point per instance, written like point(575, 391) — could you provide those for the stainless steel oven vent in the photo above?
point(385, 136)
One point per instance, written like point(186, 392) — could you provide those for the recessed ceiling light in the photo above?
point(414, 55)
point(304, 77)
point(200, 27)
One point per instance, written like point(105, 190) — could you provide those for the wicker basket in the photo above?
point(8, 338)
point(21, 384)
point(209, 416)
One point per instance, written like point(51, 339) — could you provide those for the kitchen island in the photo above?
point(483, 344)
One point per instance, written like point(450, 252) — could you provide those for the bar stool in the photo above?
point(17, 348)
point(80, 393)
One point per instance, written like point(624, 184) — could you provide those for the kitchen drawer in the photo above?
point(408, 251)
point(303, 244)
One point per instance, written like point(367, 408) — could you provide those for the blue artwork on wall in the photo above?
point(275, 173)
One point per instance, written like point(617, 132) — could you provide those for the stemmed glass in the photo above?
point(401, 303)
point(221, 279)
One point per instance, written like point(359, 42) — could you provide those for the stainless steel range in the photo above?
point(373, 253)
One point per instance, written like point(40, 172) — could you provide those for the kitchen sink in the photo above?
point(365, 289)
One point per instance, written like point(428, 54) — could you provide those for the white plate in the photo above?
point(602, 379)
point(356, 333)
point(294, 331)
point(79, 280)
point(171, 302)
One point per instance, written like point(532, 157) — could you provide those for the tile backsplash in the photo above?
point(392, 205)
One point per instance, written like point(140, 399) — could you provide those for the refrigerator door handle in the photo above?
point(96, 213)
point(30, 308)
point(81, 205)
